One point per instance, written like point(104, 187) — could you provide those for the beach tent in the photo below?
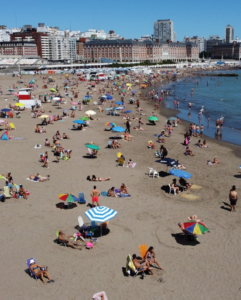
point(5, 136)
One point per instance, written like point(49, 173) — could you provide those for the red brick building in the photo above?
point(18, 48)
point(30, 35)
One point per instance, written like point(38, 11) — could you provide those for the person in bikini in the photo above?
point(94, 178)
point(95, 196)
point(233, 197)
point(39, 270)
point(70, 243)
point(151, 257)
point(111, 192)
point(140, 263)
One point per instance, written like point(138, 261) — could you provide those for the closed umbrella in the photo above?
point(180, 173)
point(100, 214)
point(92, 146)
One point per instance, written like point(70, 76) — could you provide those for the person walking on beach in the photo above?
point(95, 196)
point(128, 125)
point(233, 197)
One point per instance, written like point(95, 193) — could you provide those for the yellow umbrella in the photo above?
point(90, 112)
point(19, 104)
point(66, 75)
point(43, 116)
point(128, 84)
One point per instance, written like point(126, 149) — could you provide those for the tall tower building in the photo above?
point(229, 34)
point(163, 30)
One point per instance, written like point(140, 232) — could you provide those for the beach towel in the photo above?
point(37, 146)
point(17, 138)
point(104, 194)
point(31, 180)
point(189, 196)
point(196, 187)
point(117, 192)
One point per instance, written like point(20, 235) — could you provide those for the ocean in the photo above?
point(219, 96)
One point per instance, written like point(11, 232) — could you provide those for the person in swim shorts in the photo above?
point(95, 196)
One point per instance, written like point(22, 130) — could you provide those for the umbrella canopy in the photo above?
point(19, 104)
point(195, 227)
point(109, 97)
point(172, 118)
point(168, 161)
point(5, 109)
point(88, 96)
point(119, 102)
point(180, 173)
point(79, 122)
point(84, 118)
point(153, 118)
point(118, 129)
point(92, 146)
point(16, 94)
point(128, 84)
point(65, 110)
point(90, 112)
point(2, 121)
point(110, 124)
point(56, 98)
point(134, 91)
point(66, 87)
point(100, 214)
point(123, 91)
point(74, 103)
point(68, 197)
point(103, 97)
point(43, 116)
point(10, 90)
point(53, 90)
point(128, 111)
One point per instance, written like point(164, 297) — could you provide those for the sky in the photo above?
point(128, 18)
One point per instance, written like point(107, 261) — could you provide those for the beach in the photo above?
point(207, 270)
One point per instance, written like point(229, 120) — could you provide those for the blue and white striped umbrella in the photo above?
point(100, 214)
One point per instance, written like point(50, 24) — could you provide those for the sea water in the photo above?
point(219, 96)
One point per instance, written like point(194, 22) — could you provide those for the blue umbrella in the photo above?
point(109, 97)
point(180, 173)
point(128, 111)
point(100, 214)
point(10, 90)
point(167, 161)
point(65, 109)
point(5, 109)
point(118, 129)
point(119, 102)
point(134, 91)
point(66, 87)
point(88, 96)
point(79, 122)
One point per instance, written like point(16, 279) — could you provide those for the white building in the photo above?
point(229, 34)
point(163, 30)
point(62, 48)
point(100, 34)
point(5, 33)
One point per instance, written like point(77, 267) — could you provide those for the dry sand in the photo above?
point(209, 270)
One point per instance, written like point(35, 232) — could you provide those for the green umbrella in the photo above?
point(123, 91)
point(153, 118)
point(92, 146)
point(84, 118)
point(53, 90)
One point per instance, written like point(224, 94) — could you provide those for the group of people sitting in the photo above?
point(40, 129)
point(115, 144)
point(123, 190)
point(183, 184)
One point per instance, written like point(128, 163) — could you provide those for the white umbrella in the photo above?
point(56, 98)
point(100, 214)
point(90, 112)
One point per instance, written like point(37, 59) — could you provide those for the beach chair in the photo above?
point(6, 192)
point(61, 243)
point(120, 162)
point(143, 250)
point(30, 272)
point(12, 126)
point(82, 198)
point(153, 173)
point(130, 267)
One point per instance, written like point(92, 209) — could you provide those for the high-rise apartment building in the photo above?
point(229, 34)
point(163, 30)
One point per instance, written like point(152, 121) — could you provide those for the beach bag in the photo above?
point(27, 193)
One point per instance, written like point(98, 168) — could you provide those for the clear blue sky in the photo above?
point(128, 18)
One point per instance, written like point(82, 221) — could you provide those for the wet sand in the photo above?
point(208, 270)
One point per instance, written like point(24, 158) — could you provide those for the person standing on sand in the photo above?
point(128, 125)
point(95, 196)
point(233, 197)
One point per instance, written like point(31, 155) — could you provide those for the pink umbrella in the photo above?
point(74, 103)
point(51, 117)
point(16, 94)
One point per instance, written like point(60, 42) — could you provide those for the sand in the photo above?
point(208, 270)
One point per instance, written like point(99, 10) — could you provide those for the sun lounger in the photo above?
point(6, 192)
point(130, 267)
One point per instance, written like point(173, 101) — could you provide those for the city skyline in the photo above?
point(188, 20)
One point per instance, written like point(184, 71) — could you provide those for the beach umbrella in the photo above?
point(53, 90)
point(168, 161)
point(79, 122)
point(119, 102)
point(118, 129)
point(16, 94)
point(180, 173)
point(172, 118)
point(128, 111)
point(109, 97)
point(128, 84)
point(2, 121)
point(134, 91)
point(10, 90)
point(19, 104)
point(153, 118)
point(70, 198)
point(90, 112)
point(88, 96)
point(123, 91)
point(195, 227)
point(104, 96)
point(65, 110)
point(92, 146)
point(56, 98)
point(84, 118)
point(110, 124)
point(5, 109)
point(66, 87)
point(100, 214)
point(43, 116)
point(74, 103)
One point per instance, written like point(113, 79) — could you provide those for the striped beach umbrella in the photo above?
point(100, 214)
